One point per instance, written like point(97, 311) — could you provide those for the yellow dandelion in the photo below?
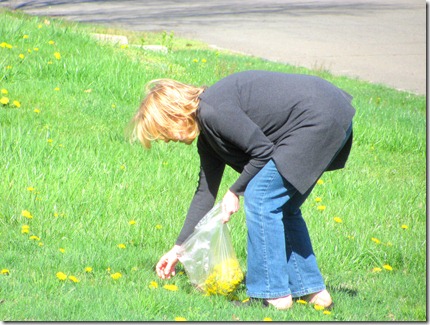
point(376, 270)
point(245, 300)
point(16, 103)
point(4, 91)
point(39, 26)
point(318, 307)
point(153, 285)
point(224, 278)
point(267, 319)
point(122, 246)
point(61, 276)
point(320, 182)
point(301, 301)
point(113, 106)
point(29, 50)
point(387, 267)
point(62, 250)
point(170, 287)
point(57, 55)
point(375, 240)
point(21, 56)
point(33, 237)
point(57, 88)
point(405, 227)
point(195, 60)
point(25, 36)
point(321, 207)
point(88, 269)
point(116, 276)
point(31, 189)
point(51, 42)
point(5, 272)
point(132, 222)
point(4, 100)
point(158, 226)
point(36, 110)
point(180, 319)
point(40, 244)
point(337, 219)
point(122, 167)
point(318, 199)
point(326, 312)
point(73, 279)
point(204, 61)
point(25, 229)
point(50, 140)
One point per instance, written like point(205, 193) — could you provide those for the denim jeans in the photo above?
point(281, 260)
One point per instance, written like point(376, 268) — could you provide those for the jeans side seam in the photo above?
point(265, 192)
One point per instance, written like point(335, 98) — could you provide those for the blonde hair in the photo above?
point(169, 108)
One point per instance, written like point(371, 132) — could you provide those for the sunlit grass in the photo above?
point(85, 215)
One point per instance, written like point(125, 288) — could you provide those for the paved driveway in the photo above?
point(375, 40)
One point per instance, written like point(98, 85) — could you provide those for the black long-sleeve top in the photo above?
point(248, 118)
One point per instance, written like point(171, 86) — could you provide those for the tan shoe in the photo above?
point(321, 298)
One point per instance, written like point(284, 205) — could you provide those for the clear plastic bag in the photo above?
point(209, 258)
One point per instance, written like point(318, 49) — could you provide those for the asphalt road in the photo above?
point(374, 40)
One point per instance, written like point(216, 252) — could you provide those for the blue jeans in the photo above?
point(281, 260)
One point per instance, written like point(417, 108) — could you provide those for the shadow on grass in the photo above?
point(342, 289)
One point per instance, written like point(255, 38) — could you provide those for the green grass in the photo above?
point(71, 167)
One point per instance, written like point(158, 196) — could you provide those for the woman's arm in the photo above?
point(210, 175)
point(211, 171)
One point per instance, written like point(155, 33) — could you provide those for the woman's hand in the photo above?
point(166, 265)
point(230, 205)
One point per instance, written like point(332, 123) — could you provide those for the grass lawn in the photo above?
point(85, 215)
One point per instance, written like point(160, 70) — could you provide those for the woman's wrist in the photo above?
point(175, 249)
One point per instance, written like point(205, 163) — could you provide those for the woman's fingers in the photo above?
point(165, 268)
point(230, 205)
point(226, 218)
point(160, 268)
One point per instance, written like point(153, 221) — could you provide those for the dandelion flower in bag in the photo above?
point(224, 279)
point(209, 258)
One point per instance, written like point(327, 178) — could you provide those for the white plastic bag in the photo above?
point(209, 258)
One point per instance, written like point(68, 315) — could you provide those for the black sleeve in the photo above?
point(210, 175)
